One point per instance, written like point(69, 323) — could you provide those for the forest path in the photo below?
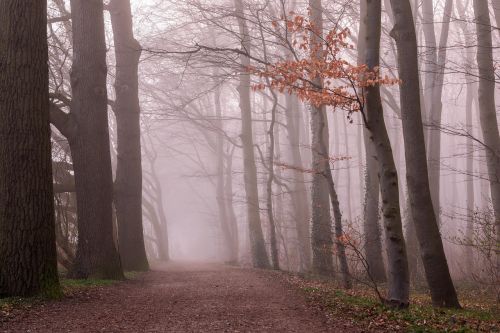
point(180, 297)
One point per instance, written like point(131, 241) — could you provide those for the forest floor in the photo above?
point(189, 297)
point(174, 297)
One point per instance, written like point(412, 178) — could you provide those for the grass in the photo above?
point(365, 311)
point(68, 287)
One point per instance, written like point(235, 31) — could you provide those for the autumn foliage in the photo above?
point(316, 69)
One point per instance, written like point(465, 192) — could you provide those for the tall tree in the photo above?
point(257, 244)
point(435, 107)
point(96, 254)
point(227, 224)
point(28, 264)
point(422, 211)
point(487, 108)
point(321, 219)
point(300, 206)
point(128, 182)
point(397, 262)
point(371, 215)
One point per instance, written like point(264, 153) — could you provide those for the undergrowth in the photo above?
point(362, 309)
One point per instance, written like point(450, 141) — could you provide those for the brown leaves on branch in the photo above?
point(319, 72)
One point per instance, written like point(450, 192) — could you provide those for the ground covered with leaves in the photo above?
point(179, 297)
point(363, 310)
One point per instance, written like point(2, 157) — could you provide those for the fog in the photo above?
point(281, 134)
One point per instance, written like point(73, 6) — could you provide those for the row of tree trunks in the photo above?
point(28, 264)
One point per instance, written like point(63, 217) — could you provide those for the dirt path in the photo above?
point(179, 298)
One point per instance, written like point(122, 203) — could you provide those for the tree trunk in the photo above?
point(301, 212)
point(345, 276)
point(371, 215)
point(128, 182)
point(228, 195)
point(97, 256)
point(487, 108)
point(28, 261)
point(229, 238)
point(469, 106)
point(436, 110)
point(321, 219)
point(431, 247)
point(257, 244)
point(397, 262)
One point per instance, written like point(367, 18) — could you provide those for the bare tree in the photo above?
point(424, 217)
point(259, 254)
point(88, 135)
point(487, 108)
point(399, 284)
point(128, 182)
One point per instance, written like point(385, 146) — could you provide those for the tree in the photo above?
point(258, 248)
point(321, 236)
point(487, 108)
point(399, 284)
point(28, 264)
point(371, 215)
point(88, 135)
point(422, 211)
point(128, 182)
point(435, 106)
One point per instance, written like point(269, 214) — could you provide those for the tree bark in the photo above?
point(397, 261)
point(257, 244)
point(431, 247)
point(371, 215)
point(97, 256)
point(128, 182)
point(321, 239)
point(487, 108)
point(28, 262)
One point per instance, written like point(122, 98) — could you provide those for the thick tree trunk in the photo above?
point(28, 262)
point(431, 247)
point(321, 219)
point(397, 262)
point(96, 256)
point(487, 108)
point(371, 215)
point(257, 244)
point(128, 182)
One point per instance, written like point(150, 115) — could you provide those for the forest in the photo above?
point(249, 166)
